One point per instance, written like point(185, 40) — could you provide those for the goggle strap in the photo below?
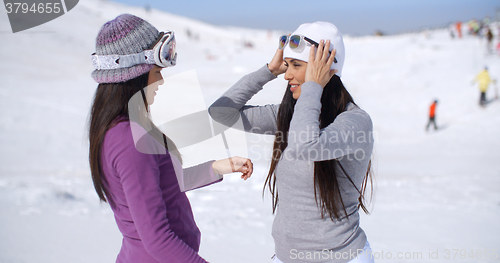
point(122, 61)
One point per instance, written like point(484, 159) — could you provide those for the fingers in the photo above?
point(331, 59)
point(326, 50)
point(276, 66)
point(243, 165)
point(250, 164)
point(278, 56)
point(333, 72)
point(247, 169)
point(312, 53)
point(250, 169)
point(320, 53)
point(320, 61)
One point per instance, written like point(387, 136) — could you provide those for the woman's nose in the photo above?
point(288, 74)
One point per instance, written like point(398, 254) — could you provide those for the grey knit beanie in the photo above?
point(124, 35)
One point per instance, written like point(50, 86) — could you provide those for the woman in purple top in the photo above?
point(135, 167)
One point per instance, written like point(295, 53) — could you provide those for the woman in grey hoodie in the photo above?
point(322, 149)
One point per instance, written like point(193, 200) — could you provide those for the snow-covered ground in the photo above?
point(433, 191)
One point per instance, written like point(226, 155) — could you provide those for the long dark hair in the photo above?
point(334, 101)
point(110, 107)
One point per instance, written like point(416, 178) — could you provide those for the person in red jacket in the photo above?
point(432, 116)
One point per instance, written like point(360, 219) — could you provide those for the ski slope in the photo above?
point(433, 191)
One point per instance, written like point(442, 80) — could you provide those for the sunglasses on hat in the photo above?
point(298, 43)
point(163, 54)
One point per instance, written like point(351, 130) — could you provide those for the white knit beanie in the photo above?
point(317, 31)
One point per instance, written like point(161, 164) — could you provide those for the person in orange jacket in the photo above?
point(459, 28)
point(432, 116)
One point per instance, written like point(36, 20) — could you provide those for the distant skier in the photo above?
point(459, 29)
point(484, 80)
point(489, 38)
point(473, 27)
point(432, 116)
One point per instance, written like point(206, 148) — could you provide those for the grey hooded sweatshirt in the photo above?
point(299, 231)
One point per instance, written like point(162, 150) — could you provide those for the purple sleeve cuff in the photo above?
point(196, 176)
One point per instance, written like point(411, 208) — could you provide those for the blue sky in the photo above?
point(354, 17)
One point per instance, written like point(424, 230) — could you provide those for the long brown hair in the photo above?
point(110, 107)
point(334, 101)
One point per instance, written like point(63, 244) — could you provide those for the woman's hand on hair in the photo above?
point(232, 165)
point(320, 61)
point(277, 65)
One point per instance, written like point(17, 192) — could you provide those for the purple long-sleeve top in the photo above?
point(148, 200)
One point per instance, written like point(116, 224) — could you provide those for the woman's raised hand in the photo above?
point(277, 65)
point(318, 67)
point(232, 165)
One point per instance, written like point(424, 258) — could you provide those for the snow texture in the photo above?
point(434, 190)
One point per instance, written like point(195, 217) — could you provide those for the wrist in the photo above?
point(216, 171)
point(313, 80)
point(273, 70)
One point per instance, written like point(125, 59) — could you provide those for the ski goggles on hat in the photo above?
point(298, 43)
point(163, 54)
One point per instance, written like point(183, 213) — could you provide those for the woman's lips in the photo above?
point(293, 87)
